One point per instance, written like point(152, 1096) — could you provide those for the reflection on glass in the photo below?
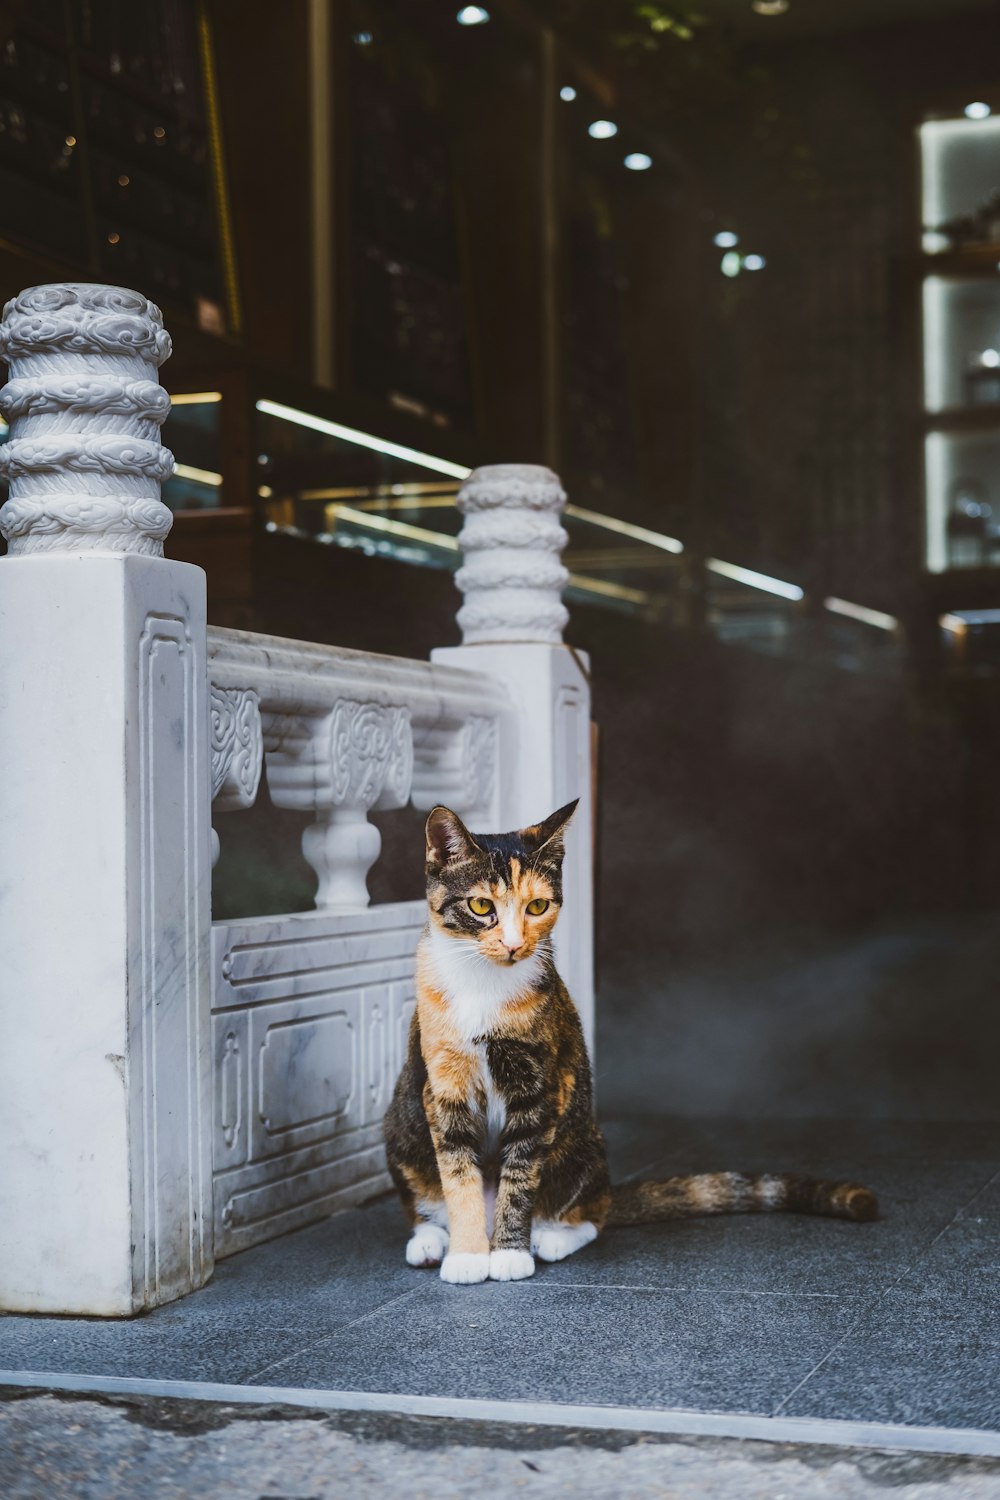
point(961, 193)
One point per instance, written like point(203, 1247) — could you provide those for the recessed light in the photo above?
point(567, 93)
point(472, 15)
point(754, 262)
point(770, 7)
point(602, 130)
point(638, 161)
point(732, 263)
point(990, 358)
point(977, 111)
point(726, 239)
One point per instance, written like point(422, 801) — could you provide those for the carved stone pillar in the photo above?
point(85, 407)
point(105, 1082)
point(511, 574)
point(354, 760)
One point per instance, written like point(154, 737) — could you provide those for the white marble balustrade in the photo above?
point(345, 733)
point(173, 1089)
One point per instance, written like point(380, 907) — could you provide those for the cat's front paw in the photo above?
point(463, 1268)
point(511, 1265)
point(426, 1245)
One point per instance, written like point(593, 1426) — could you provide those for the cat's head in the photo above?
point(500, 892)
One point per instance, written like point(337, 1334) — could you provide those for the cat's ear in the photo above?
point(546, 839)
point(448, 839)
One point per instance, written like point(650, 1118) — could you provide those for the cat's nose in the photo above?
point(513, 949)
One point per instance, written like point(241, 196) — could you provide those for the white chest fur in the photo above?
point(496, 1108)
point(476, 989)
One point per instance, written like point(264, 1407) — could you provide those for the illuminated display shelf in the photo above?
point(960, 297)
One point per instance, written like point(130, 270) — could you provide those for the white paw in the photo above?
point(426, 1245)
point(556, 1241)
point(464, 1268)
point(511, 1265)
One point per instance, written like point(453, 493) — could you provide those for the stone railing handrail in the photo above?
point(344, 733)
point(306, 677)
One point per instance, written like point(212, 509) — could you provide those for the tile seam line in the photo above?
point(684, 1291)
point(970, 1442)
point(327, 1338)
point(867, 1307)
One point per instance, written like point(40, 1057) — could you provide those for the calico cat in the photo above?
point(490, 1135)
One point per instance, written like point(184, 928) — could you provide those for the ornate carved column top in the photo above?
point(511, 576)
point(84, 404)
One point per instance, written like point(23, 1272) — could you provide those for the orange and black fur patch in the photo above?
point(490, 1135)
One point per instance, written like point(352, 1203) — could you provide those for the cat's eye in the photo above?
point(480, 906)
point(536, 907)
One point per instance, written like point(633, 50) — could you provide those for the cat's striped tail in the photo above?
point(738, 1193)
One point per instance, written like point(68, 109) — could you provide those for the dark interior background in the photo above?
point(397, 219)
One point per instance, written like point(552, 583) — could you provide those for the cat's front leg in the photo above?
point(525, 1140)
point(453, 1131)
point(519, 1070)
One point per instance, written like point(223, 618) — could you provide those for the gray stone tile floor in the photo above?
point(893, 1322)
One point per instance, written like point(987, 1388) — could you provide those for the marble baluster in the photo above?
point(356, 759)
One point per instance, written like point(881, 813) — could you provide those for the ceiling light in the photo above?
point(602, 130)
point(726, 239)
point(754, 262)
point(625, 528)
point(732, 263)
point(876, 617)
point(990, 358)
point(770, 7)
point(567, 93)
point(977, 111)
point(638, 161)
point(754, 579)
point(362, 439)
point(198, 476)
point(472, 15)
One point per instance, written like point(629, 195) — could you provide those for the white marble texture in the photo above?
point(511, 573)
point(105, 1072)
point(311, 1015)
point(105, 1084)
point(85, 407)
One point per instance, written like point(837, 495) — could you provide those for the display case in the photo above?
point(960, 257)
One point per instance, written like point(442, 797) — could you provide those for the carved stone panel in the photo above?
point(308, 1011)
point(231, 1044)
point(237, 747)
point(378, 1076)
point(307, 1066)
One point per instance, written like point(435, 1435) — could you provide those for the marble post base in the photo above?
point(105, 1068)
